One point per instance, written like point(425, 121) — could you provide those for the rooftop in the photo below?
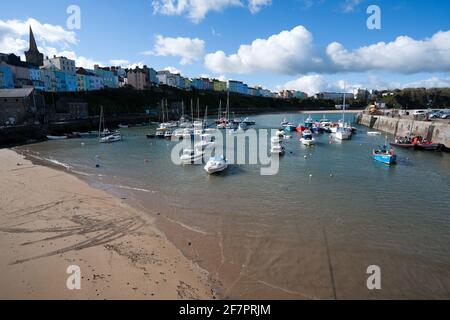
point(15, 93)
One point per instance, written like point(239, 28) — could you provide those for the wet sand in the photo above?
point(50, 220)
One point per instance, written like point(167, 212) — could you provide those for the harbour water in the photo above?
point(309, 232)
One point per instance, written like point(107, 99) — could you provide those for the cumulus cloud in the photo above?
point(172, 70)
point(289, 52)
point(80, 61)
point(196, 10)
point(294, 52)
point(14, 35)
point(404, 55)
point(310, 84)
point(188, 49)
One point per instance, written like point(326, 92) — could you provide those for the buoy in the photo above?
point(305, 157)
point(97, 166)
point(310, 175)
point(331, 175)
point(146, 161)
point(82, 143)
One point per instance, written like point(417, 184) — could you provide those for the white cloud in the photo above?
point(433, 82)
point(172, 70)
point(196, 10)
point(310, 84)
point(256, 5)
point(119, 62)
point(404, 55)
point(188, 49)
point(80, 61)
point(289, 52)
point(294, 52)
point(14, 35)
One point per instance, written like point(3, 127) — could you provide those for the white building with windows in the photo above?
point(61, 63)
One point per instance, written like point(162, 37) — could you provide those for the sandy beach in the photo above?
point(50, 220)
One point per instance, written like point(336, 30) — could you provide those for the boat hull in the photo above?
point(403, 145)
point(343, 136)
point(429, 147)
point(386, 159)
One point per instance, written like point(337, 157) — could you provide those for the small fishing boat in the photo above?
point(248, 122)
point(191, 156)
point(168, 134)
point(307, 138)
point(300, 129)
point(385, 156)
point(285, 122)
point(290, 127)
point(309, 122)
point(116, 137)
point(277, 149)
point(242, 126)
point(216, 165)
point(343, 133)
point(123, 126)
point(374, 133)
point(160, 132)
point(404, 145)
point(428, 146)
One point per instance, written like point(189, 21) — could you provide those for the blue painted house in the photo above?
point(6, 77)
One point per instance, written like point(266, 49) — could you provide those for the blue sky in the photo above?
point(206, 34)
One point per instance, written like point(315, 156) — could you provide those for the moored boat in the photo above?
point(428, 146)
point(385, 156)
point(191, 156)
point(307, 138)
point(216, 165)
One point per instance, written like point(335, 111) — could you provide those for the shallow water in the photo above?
point(309, 232)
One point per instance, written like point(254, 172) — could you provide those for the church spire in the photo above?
point(33, 46)
point(33, 55)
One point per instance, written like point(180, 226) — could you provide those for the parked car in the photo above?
point(446, 115)
point(420, 113)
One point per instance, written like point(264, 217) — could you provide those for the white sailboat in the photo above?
point(342, 131)
point(104, 135)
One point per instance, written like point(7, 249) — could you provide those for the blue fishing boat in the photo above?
point(290, 127)
point(385, 156)
point(309, 123)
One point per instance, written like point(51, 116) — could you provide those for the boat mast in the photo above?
point(100, 123)
point(192, 110)
point(220, 110)
point(228, 105)
point(198, 109)
point(343, 107)
point(182, 109)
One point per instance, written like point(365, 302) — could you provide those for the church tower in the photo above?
point(33, 55)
